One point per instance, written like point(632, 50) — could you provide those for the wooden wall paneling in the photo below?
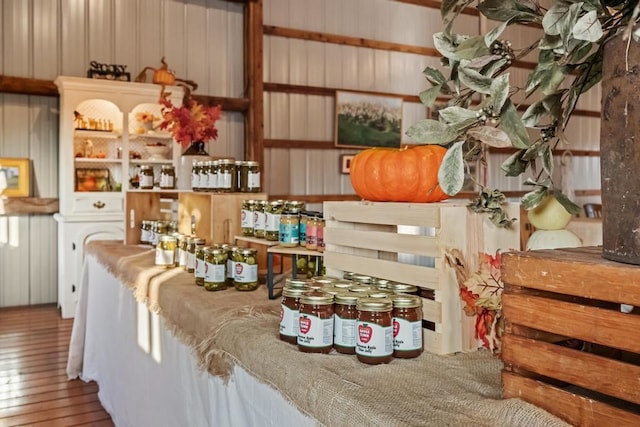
point(101, 26)
point(16, 36)
point(46, 49)
point(126, 40)
point(41, 279)
point(150, 35)
point(197, 54)
point(14, 251)
point(173, 37)
point(74, 45)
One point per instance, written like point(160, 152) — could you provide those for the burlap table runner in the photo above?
point(229, 327)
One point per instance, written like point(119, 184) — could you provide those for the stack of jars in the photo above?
point(226, 176)
point(376, 324)
point(220, 266)
point(151, 229)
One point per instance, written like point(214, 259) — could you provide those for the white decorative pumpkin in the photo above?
point(553, 239)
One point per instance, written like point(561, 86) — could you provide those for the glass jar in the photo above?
point(294, 206)
point(226, 175)
point(289, 314)
point(289, 231)
point(216, 266)
point(203, 176)
point(235, 181)
point(195, 175)
point(290, 282)
point(253, 177)
point(192, 244)
point(231, 263)
point(362, 279)
point(166, 251)
point(272, 220)
point(145, 232)
point(259, 219)
point(212, 175)
point(182, 251)
point(315, 322)
point(245, 276)
point(345, 318)
point(403, 288)
point(304, 216)
point(177, 235)
point(146, 177)
point(374, 339)
point(168, 177)
point(247, 217)
point(200, 267)
point(243, 176)
point(312, 230)
point(320, 234)
point(407, 326)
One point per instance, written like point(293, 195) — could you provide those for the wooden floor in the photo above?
point(34, 389)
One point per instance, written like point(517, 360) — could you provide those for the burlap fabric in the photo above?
point(229, 327)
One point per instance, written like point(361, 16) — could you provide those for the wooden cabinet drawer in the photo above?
point(97, 204)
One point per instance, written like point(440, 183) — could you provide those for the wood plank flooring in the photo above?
point(34, 389)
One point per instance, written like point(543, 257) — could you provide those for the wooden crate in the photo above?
point(554, 295)
point(373, 239)
point(144, 205)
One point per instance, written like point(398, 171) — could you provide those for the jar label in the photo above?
point(259, 220)
point(166, 181)
point(231, 267)
point(272, 222)
point(314, 331)
point(164, 257)
point(303, 233)
point(182, 257)
point(195, 180)
point(224, 180)
point(191, 261)
point(146, 181)
point(246, 219)
point(407, 335)
point(289, 233)
point(311, 235)
point(144, 235)
point(344, 331)
point(214, 273)
point(254, 180)
point(199, 269)
point(212, 180)
point(289, 321)
point(245, 273)
point(374, 340)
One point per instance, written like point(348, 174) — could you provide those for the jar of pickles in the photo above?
point(253, 177)
point(192, 244)
point(166, 250)
point(226, 175)
point(212, 173)
point(215, 272)
point(182, 251)
point(195, 175)
point(235, 184)
point(146, 177)
point(259, 219)
point(289, 232)
point(245, 275)
point(199, 268)
point(272, 219)
point(145, 231)
point(247, 217)
point(168, 177)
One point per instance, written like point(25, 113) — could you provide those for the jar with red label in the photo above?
point(289, 314)
point(245, 269)
point(315, 333)
point(374, 339)
point(344, 322)
point(407, 326)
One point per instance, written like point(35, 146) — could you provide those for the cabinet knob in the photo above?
point(98, 205)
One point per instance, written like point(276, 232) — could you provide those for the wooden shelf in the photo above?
point(28, 206)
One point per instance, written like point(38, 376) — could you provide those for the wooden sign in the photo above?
point(108, 72)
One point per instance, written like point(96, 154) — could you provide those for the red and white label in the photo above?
point(289, 323)
point(374, 340)
point(406, 335)
point(364, 333)
point(314, 331)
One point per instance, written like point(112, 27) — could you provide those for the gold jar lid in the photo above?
point(323, 280)
point(196, 241)
point(361, 289)
point(331, 290)
point(406, 301)
point(316, 298)
point(214, 250)
point(380, 293)
point(293, 292)
point(346, 298)
point(374, 304)
point(343, 284)
point(295, 283)
point(403, 288)
point(361, 278)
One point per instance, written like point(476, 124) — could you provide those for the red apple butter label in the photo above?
point(374, 340)
point(314, 331)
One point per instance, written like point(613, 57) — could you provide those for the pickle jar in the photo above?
point(235, 181)
point(259, 218)
point(289, 231)
point(192, 244)
point(182, 251)
point(199, 269)
point(145, 232)
point(212, 176)
point(168, 177)
point(289, 314)
point(226, 175)
point(407, 326)
point(166, 251)
point(315, 322)
point(243, 176)
point(203, 176)
point(253, 177)
point(374, 341)
point(215, 278)
point(272, 211)
point(195, 175)
point(247, 217)
point(178, 236)
point(245, 275)
point(146, 177)
point(345, 318)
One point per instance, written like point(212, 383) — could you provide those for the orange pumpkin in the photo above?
point(408, 174)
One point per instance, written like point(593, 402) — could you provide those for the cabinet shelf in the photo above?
point(97, 160)
point(151, 136)
point(83, 133)
point(150, 162)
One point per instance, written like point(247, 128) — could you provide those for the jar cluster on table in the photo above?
point(376, 320)
point(226, 176)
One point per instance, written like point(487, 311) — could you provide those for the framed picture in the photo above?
point(93, 179)
point(15, 177)
point(345, 163)
point(367, 120)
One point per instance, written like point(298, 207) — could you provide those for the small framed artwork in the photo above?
point(93, 179)
point(345, 163)
point(367, 120)
point(15, 177)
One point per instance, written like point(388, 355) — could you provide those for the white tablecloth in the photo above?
point(148, 378)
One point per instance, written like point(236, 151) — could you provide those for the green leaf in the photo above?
point(491, 136)
point(457, 114)
point(541, 72)
point(499, 91)
point(494, 34)
point(434, 76)
point(553, 20)
point(533, 198)
point(570, 206)
point(547, 160)
point(534, 151)
point(444, 45)
point(512, 125)
point(431, 132)
point(507, 10)
point(450, 9)
point(588, 27)
point(451, 172)
point(471, 48)
point(553, 79)
point(475, 81)
point(549, 42)
point(428, 97)
point(482, 61)
point(495, 66)
point(533, 114)
point(514, 165)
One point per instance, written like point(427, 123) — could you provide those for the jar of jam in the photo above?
point(360, 289)
point(404, 288)
point(259, 219)
point(182, 251)
point(289, 314)
point(146, 177)
point(344, 322)
point(166, 251)
point(407, 326)
point(253, 176)
point(290, 282)
point(312, 230)
point(343, 284)
point(247, 217)
point(215, 271)
point(245, 275)
point(374, 339)
point(167, 177)
point(289, 231)
point(192, 244)
point(200, 267)
point(272, 220)
point(315, 333)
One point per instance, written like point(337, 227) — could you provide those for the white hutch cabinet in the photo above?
point(102, 146)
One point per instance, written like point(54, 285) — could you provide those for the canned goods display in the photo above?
point(166, 251)
point(247, 218)
point(215, 269)
point(168, 177)
point(245, 269)
point(272, 211)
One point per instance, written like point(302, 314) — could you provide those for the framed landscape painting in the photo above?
point(14, 177)
point(367, 120)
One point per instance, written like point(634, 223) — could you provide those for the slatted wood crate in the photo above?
point(406, 243)
point(556, 297)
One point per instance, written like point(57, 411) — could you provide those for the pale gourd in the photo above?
point(553, 239)
point(549, 215)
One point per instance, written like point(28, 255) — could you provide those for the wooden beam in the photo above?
point(254, 139)
point(291, 143)
point(316, 198)
point(26, 86)
point(227, 104)
point(436, 5)
point(329, 91)
point(28, 206)
point(556, 152)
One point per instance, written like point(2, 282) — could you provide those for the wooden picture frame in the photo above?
point(367, 120)
point(15, 177)
point(345, 163)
